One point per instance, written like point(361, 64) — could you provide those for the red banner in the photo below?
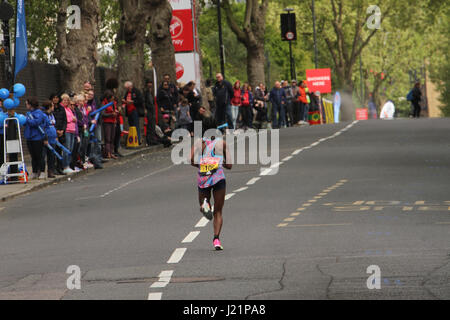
point(362, 114)
point(181, 29)
point(319, 80)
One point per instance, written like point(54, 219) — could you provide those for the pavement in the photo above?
point(347, 199)
point(10, 191)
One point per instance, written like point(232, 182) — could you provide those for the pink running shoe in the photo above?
point(217, 245)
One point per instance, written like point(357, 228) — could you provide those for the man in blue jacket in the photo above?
point(35, 138)
point(278, 99)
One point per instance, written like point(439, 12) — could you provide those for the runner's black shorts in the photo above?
point(222, 184)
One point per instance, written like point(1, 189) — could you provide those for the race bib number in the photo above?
point(208, 165)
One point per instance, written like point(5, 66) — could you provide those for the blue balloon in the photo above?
point(19, 90)
point(8, 104)
point(16, 102)
point(4, 93)
point(22, 119)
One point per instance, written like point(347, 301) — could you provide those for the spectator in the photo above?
point(289, 106)
point(194, 99)
point(295, 103)
point(69, 133)
point(278, 99)
point(416, 98)
point(165, 98)
point(261, 98)
point(109, 123)
point(302, 98)
point(236, 102)
point(95, 138)
point(36, 120)
point(149, 99)
point(210, 96)
point(132, 102)
point(61, 124)
point(113, 85)
point(83, 111)
point(51, 133)
point(246, 106)
point(173, 91)
point(223, 91)
point(184, 119)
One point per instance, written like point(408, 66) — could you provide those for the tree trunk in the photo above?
point(255, 66)
point(160, 39)
point(131, 41)
point(76, 50)
point(251, 36)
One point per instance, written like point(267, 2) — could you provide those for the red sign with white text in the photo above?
point(319, 80)
point(181, 29)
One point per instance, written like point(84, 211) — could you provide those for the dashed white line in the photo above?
point(177, 255)
point(296, 152)
point(266, 172)
point(229, 196)
point(191, 237)
point(240, 190)
point(202, 223)
point(155, 296)
point(287, 158)
point(253, 181)
point(164, 279)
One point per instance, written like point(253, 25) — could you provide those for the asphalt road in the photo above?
point(375, 194)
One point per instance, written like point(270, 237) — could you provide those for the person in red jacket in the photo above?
point(303, 100)
point(236, 102)
point(109, 124)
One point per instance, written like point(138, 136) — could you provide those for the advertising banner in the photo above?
point(319, 80)
point(187, 67)
point(181, 29)
point(362, 114)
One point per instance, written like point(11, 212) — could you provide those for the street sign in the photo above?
point(290, 36)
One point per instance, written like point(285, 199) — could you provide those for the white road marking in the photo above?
point(164, 279)
point(240, 190)
point(229, 196)
point(266, 172)
point(177, 255)
point(315, 144)
point(135, 180)
point(202, 223)
point(287, 158)
point(155, 296)
point(253, 181)
point(191, 237)
point(296, 152)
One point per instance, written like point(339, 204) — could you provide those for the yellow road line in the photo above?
point(321, 225)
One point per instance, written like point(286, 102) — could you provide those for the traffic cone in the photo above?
point(132, 141)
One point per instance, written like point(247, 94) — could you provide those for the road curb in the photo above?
point(60, 179)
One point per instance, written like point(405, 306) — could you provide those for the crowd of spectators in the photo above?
point(67, 122)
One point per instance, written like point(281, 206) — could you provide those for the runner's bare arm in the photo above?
point(227, 163)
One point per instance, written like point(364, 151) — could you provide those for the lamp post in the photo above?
point(291, 59)
point(315, 35)
point(222, 55)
